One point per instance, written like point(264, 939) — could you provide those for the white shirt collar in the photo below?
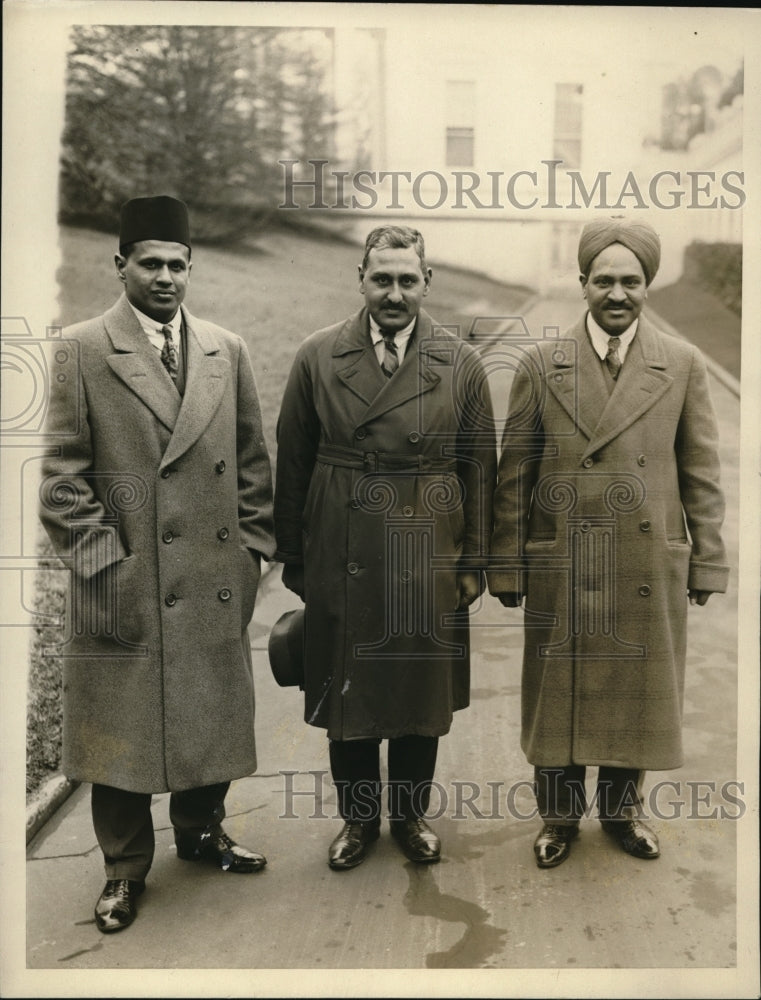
point(600, 338)
point(401, 336)
point(152, 326)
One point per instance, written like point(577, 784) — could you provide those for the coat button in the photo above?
point(360, 433)
point(558, 377)
point(224, 594)
point(408, 511)
point(170, 600)
point(167, 537)
point(223, 534)
point(588, 463)
point(413, 438)
point(166, 473)
point(585, 525)
point(356, 503)
point(644, 525)
point(220, 467)
point(644, 590)
point(352, 568)
point(558, 357)
point(641, 460)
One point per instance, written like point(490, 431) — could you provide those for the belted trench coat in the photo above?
point(383, 492)
point(608, 508)
point(159, 504)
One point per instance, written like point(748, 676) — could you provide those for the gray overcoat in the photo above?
point(160, 504)
point(383, 491)
point(608, 508)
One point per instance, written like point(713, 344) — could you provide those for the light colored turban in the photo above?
point(639, 237)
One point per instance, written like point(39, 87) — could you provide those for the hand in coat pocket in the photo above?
point(250, 576)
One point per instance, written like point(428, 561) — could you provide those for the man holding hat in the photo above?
point(385, 474)
point(157, 494)
point(607, 516)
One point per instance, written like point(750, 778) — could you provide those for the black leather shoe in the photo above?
point(220, 850)
point(116, 907)
point(635, 837)
point(417, 840)
point(553, 845)
point(349, 848)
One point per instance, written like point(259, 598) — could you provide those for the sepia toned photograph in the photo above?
point(380, 500)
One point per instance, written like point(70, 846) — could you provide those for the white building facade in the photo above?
point(499, 146)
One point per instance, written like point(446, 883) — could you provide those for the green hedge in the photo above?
point(717, 267)
point(44, 713)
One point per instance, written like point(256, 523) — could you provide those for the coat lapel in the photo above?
point(414, 376)
point(577, 382)
point(355, 359)
point(208, 376)
point(642, 382)
point(138, 364)
point(579, 385)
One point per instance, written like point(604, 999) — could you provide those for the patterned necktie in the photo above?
point(612, 359)
point(169, 353)
point(390, 356)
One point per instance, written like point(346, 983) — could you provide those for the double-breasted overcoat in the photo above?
point(608, 508)
point(383, 492)
point(161, 505)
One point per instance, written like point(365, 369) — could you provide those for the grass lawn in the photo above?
point(273, 294)
point(703, 319)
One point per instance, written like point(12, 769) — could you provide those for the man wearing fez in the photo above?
point(385, 474)
point(607, 520)
point(157, 493)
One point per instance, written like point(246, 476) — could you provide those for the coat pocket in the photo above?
point(110, 603)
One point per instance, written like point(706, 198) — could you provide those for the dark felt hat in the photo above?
point(159, 218)
point(286, 649)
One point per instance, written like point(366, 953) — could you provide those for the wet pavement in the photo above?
point(486, 920)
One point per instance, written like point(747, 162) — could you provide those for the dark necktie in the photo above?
point(390, 356)
point(169, 353)
point(612, 359)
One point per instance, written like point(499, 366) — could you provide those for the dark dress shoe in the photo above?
point(417, 840)
point(220, 850)
point(553, 845)
point(635, 837)
point(349, 848)
point(116, 908)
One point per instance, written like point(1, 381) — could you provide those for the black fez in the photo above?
point(159, 218)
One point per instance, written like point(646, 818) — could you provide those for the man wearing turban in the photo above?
point(157, 493)
point(607, 519)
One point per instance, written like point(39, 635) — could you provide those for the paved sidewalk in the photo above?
point(486, 907)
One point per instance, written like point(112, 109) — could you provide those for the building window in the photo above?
point(460, 122)
point(567, 131)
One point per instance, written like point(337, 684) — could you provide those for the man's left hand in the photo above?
point(469, 587)
point(699, 596)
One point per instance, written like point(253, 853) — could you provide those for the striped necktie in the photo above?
point(612, 359)
point(169, 354)
point(390, 356)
